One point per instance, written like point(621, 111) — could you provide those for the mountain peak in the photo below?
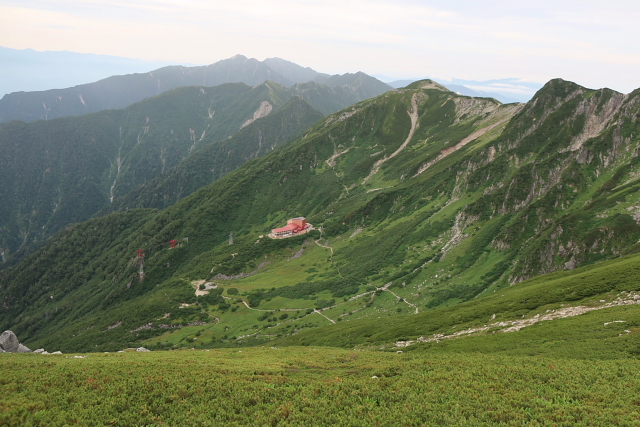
point(427, 84)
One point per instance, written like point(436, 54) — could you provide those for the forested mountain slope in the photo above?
point(217, 159)
point(425, 198)
point(122, 91)
point(62, 171)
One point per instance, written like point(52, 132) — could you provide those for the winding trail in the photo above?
point(413, 114)
point(331, 249)
point(404, 300)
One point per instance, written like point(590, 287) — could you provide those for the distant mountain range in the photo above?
point(123, 90)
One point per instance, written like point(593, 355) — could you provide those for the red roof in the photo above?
point(288, 227)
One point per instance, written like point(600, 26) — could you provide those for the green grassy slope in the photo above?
point(303, 386)
point(605, 290)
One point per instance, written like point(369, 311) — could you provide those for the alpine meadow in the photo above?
point(461, 262)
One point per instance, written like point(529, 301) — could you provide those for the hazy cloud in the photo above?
point(591, 42)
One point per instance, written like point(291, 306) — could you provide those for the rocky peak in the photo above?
point(427, 84)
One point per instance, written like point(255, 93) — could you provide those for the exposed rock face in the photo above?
point(9, 342)
point(262, 111)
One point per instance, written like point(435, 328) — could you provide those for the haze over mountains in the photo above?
point(29, 70)
point(122, 91)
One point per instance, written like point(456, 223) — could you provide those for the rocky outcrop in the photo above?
point(9, 344)
point(23, 349)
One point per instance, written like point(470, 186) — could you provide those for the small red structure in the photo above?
point(294, 227)
point(140, 253)
point(173, 243)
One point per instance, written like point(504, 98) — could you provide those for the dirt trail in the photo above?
point(404, 300)
point(330, 320)
point(331, 249)
point(259, 309)
point(324, 246)
point(413, 114)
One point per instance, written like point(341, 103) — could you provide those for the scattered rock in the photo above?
point(79, 357)
point(636, 297)
point(56, 352)
point(115, 325)
point(23, 349)
point(142, 349)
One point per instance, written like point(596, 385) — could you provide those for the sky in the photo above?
point(593, 43)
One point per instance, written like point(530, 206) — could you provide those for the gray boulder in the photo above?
point(23, 349)
point(9, 342)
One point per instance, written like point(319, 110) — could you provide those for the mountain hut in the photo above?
point(294, 227)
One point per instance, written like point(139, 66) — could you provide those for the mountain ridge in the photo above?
point(122, 91)
point(424, 199)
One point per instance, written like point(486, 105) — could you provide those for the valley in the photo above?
point(459, 246)
point(423, 200)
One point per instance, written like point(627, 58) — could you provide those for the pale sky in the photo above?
point(593, 43)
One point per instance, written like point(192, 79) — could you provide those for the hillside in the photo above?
point(215, 160)
point(118, 92)
point(589, 313)
point(62, 171)
point(425, 199)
